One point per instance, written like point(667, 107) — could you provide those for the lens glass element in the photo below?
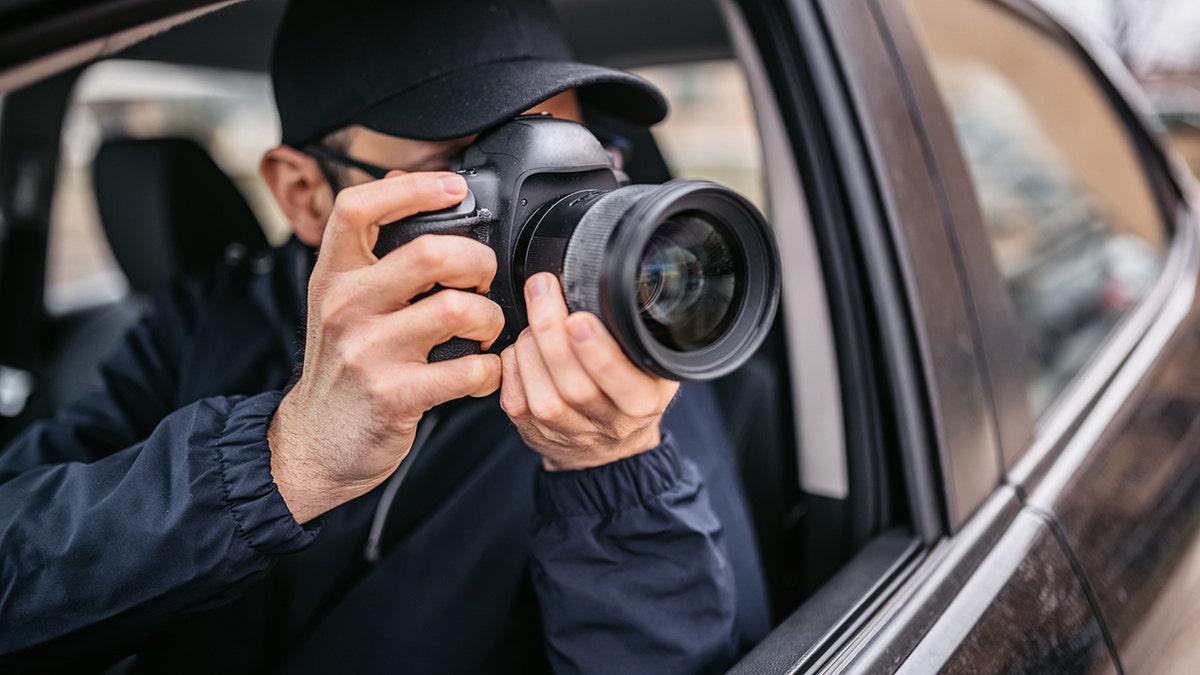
point(687, 281)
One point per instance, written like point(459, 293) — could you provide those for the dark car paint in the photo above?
point(1131, 510)
point(1022, 554)
point(1033, 586)
point(1099, 567)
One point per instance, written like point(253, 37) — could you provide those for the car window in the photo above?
point(1071, 216)
point(710, 132)
point(230, 113)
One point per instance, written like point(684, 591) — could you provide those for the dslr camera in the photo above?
point(685, 275)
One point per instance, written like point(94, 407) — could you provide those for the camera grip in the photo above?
point(463, 220)
point(455, 346)
point(453, 349)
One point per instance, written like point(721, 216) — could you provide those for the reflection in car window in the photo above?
point(1072, 220)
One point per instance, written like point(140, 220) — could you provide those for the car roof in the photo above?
point(41, 37)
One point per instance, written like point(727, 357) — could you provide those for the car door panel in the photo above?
point(1113, 466)
point(1127, 494)
point(1023, 611)
point(904, 621)
point(1070, 627)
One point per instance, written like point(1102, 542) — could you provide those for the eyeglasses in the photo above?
point(617, 147)
point(324, 153)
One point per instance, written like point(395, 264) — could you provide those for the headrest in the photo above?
point(168, 210)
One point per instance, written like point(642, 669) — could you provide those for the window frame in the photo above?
point(1029, 444)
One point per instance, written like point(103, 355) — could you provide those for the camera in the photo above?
point(685, 275)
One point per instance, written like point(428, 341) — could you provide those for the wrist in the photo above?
point(589, 458)
point(306, 488)
point(613, 488)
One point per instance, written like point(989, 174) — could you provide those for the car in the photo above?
point(971, 439)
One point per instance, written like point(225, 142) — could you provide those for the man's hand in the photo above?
point(351, 418)
point(572, 393)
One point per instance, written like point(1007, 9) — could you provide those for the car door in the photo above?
point(1101, 301)
point(1038, 252)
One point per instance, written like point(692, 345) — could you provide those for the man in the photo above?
point(203, 515)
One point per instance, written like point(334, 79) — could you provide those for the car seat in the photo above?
point(167, 211)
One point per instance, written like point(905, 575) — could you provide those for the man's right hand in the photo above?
point(352, 416)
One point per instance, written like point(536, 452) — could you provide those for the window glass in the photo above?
point(230, 113)
point(1073, 222)
point(710, 131)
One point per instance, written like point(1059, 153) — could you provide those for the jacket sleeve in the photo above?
point(114, 547)
point(134, 390)
point(630, 569)
point(131, 507)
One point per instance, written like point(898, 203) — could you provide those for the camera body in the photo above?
point(511, 173)
point(684, 274)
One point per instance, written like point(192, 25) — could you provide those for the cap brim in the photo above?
point(474, 99)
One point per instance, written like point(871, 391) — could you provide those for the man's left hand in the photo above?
point(575, 397)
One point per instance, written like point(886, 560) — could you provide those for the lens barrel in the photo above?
point(685, 275)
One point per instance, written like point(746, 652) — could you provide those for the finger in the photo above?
point(359, 211)
point(547, 314)
point(541, 396)
point(452, 261)
point(429, 385)
point(434, 319)
point(512, 389)
point(635, 392)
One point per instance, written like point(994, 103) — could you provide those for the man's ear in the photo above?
point(300, 188)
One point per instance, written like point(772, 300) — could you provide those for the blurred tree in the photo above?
point(1149, 35)
point(1133, 21)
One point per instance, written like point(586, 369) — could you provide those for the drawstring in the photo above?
point(425, 427)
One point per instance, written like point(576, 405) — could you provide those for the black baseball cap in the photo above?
point(434, 70)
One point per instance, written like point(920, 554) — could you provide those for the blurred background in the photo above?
point(710, 131)
point(1159, 41)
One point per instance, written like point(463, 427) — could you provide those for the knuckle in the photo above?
point(497, 320)
point(513, 404)
point(512, 408)
point(453, 307)
point(581, 393)
point(487, 257)
point(425, 251)
point(542, 323)
point(355, 356)
point(349, 206)
point(377, 391)
point(334, 313)
point(478, 373)
point(604, 360)
point(548, 409)
point(643, 407)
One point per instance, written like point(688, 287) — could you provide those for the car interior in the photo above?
point(169, 175)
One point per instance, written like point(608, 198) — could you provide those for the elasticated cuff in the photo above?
point(250, 493)
point(612, 488)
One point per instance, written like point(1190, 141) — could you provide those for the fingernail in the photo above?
point(581, 331)
point(538, 286)
point(452, 183)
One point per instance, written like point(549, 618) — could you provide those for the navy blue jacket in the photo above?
point(143, 521)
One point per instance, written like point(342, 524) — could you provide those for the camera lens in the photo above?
point(685, 275)
point(687, 282)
